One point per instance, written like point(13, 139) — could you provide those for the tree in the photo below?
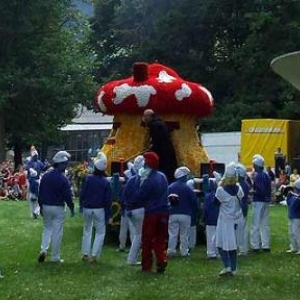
point(119, 30)
point(226, 45)
point(104, 40)
point(257, 32)
point(46, 64)
point(2, 137)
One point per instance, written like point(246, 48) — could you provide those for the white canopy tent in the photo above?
point(288, 67)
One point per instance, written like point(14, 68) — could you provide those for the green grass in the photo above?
point(261, 276)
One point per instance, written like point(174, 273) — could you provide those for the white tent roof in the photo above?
point(288, 67)
point(80, 127)
point(89, 120)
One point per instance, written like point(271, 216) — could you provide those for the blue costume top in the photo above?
point(210, 209)
point(117, 191)
point(130, 197)
point(293, 204)
point(187, 204)
point(37, 165)
point(153, 192)
point(55, 190)
point(96, 193)
point(261, 187)
point(244, 202)
point(34, 185)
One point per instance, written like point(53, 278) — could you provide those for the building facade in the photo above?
point(86, 134)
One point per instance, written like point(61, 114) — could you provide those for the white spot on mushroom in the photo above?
point(163, 76)
point(142, 93)
point(184, 92)
point(207, 92)
point(100, 101)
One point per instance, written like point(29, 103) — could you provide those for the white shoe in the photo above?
point(137, 263)
point(225, 271)
point(233, 273)
point(298, 252)
point(121, 250)
point(93, 260)
point(1, 276)
point(171, 254)
point(212, 257)
point(185, 255)
point(291, 251)
point(59, 261)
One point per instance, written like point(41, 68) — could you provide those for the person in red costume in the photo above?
point(152, 190)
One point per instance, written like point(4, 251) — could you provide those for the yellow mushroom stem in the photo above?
point(129, 139)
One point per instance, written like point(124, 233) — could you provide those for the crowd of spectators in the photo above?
point(285, 182)
point(13, 183)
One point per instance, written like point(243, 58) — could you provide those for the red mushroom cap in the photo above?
point(157, 87)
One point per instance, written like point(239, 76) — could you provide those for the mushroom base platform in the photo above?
point(129, 138)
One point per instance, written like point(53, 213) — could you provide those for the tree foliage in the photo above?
point(227, 45)
point(46, 57)
point(45, 66)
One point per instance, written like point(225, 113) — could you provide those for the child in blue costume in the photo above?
point(181, 212)
point(242, 229)
point(293, 204)
point(211, 213)
point(33, 190)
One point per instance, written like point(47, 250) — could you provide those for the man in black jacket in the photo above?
point(160, 143)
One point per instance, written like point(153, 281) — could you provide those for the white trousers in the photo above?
point(93, 217)
point(294, 234)
point(242, 235)
point(135, 229)
point(34, 207)
point(192, 237)
point(260, 232)
point(211, 247)
point(123, 233)
point(53, 220)
point(179, 225)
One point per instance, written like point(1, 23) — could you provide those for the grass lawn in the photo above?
point(264, 276)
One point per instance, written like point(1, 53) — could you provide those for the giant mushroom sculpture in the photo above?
point(179, 103)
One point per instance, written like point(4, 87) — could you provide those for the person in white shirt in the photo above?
point(228, 194)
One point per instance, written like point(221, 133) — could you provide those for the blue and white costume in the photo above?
point(95, 201)
point(293, 204)
point(39, 167)
point(211, 213)
point(260, 232)
point(242, 228)
point(54, 193)
point(181, 213)
point(134, 210)
point(33, 191)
